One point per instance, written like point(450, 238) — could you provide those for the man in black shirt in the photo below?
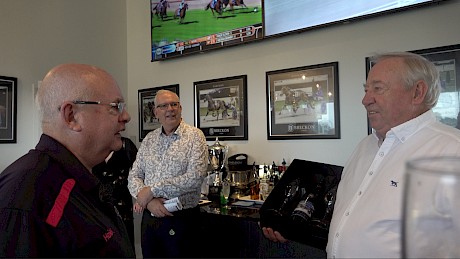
point(114, 173)
point(52, 205)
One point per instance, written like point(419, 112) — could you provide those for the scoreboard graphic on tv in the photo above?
point(217, 40)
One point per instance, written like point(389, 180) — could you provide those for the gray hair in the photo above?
point(416, 68)
point(161, 92)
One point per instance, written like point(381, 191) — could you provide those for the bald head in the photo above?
point(68, 82)
point(90, 128)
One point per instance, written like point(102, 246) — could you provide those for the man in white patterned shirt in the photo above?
point(171, 162)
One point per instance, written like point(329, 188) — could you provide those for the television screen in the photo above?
point(296, 15)
point(183, 27)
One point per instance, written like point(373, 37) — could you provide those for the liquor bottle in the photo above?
point(283, 168)
point(271, 178)
point(264, 185)
point(254, 183)
point(276, 174)
point(310, 204)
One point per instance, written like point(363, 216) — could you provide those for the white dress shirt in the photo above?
point(367, 215)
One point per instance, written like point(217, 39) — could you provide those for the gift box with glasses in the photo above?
point(300, 206)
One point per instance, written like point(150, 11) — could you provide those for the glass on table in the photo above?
point(225, 192)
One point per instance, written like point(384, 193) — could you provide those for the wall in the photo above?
point(37, 35)
point(349, 44)
point(116, 36)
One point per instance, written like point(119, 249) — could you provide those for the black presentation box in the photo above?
point(301, 178)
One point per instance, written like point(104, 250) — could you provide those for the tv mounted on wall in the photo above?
point(243, 21)
point(203, 25)
point(283, 17)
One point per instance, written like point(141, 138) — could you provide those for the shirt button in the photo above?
point(360, 192)
point(371, 172)
point(381, 153)
point(347, 214)
point(337, 234)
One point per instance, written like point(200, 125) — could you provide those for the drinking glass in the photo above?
point(431, 208)
point(225, 191)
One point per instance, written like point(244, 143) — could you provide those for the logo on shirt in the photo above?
point(108, 235)
point(394, 184)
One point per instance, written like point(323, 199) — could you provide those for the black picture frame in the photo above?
point(224, 98)
point(447, 60)
point(8, 109)
point(303, 102)
point(147, 119)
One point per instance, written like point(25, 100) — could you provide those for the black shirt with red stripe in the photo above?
point(52, 206)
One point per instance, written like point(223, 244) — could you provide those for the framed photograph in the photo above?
point(447, 61)
point(8, 108)
point(147, 119)
point(221, 108)
point(303, 102)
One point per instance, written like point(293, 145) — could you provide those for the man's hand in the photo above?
point(144, 196)
point(137, 208)
point(273, 235)
point(157, 208)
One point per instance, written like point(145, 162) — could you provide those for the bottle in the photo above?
point(276, 173)
point(254, 183)
point(271, 178)
point(309, 205)
point(303, 212)
point(264, 185)
point(283, 168)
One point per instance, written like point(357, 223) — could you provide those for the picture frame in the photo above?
point(147, 119)
point(8, 109)
point(224, 98)
point(303, 102)
point(447, 61)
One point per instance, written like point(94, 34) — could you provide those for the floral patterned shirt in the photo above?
point(172, 166)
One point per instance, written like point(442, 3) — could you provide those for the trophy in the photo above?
point(217, 158)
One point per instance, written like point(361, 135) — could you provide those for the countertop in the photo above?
point(232, 209)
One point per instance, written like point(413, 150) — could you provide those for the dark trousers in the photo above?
point(174, 236)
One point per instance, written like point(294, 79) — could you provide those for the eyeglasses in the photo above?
point(165, 106)
point(120, 106)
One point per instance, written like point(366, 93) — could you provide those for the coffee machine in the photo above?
point(239, 175)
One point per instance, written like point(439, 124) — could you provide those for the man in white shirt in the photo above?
point(400, 92)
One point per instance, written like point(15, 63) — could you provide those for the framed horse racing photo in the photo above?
point(221, 108)
point(447, 61)
point(303, 102)
point(8, 106)
point(147, 119)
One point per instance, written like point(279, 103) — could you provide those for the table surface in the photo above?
point(245, 212)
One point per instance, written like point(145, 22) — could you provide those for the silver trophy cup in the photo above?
point(217, 159)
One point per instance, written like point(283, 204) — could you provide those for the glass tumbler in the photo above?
point(431, 208)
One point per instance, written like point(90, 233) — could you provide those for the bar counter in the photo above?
point(233, 231)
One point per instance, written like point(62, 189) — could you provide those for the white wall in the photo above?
point(348, 44)
point(37, 35)
point(116, 36)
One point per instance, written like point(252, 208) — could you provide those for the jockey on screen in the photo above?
point(181, 5)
